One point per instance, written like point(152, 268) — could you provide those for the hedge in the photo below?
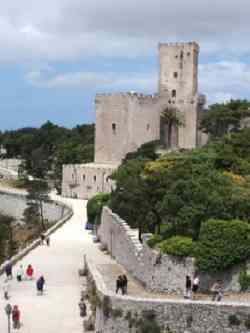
point(178, 246)
point(222, 244)
point(94, 207)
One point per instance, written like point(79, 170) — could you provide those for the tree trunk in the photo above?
point(41, 215)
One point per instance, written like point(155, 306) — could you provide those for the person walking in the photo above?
point(6, 289)
point(20, 273)
point(42, 237)
point(119, 284)
point(40, 285)
point(124, 284)
point(196, 284)
point(217, 291)
point(8, 270)
point(188, 287)
point(29, 272)
point(47, 241)
point(16, 314)
point(83, 308)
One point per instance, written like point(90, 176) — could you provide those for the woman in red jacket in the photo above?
point(29, 272)
point(16, 317)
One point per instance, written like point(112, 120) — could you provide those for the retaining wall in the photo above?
point(14, 204)
point(161, 273)
point(116, 313)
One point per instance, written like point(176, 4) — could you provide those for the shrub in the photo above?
point(222, 244)
point(178, 246)
point(244, 280)
point(233, 320)
point(154, 240)
point(94, 207)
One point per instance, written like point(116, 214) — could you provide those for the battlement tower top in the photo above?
point(178, 69)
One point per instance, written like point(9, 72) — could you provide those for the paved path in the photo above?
point(57, 310)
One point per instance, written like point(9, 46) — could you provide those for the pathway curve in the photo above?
point(57, 310)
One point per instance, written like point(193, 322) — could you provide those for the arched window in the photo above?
point(174, 93)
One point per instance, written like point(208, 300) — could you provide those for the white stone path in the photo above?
point(57, 310)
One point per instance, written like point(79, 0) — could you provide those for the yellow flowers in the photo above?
point(238, 179)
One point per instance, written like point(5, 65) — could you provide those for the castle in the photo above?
point(125, 121)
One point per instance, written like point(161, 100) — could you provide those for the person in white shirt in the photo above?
point(20, 273)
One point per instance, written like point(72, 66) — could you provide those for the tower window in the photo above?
point(83, 177)
point(175, 75)
point(148, 127)
point(113, 127)
point(94, 178)
point(174, 93)
point(188, 54)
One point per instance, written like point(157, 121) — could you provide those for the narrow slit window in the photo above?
point(94, 178)
point(83, 177)
point(148, 127)
point(114, 127)
point(174, 93)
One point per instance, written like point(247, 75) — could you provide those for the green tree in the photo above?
point(221, 119)
point(171, 119)
point(38, 194)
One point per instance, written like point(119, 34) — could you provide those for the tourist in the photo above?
point(119, 284)
point(83, 308)
point(29, 272)
point(6, 289)
point(124, 284)
point(40, 285)
point(47, 241)
point(196, 283)
point(16, 317)
point(42, 239)
point(20, 273)
point(188, 287)
point(8, 270)
point(217, 291)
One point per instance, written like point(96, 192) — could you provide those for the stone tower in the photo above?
point(178, 89)
point(178, 70)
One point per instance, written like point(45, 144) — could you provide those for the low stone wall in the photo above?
point(160, 273)
point(10, 163)
point(68, 214)
point(14, 204)
point(116, 313)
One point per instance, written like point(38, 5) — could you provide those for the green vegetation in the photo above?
point(197, 201)
point(7, 242)
point(94, 207)
point(222, 244)
point(45, 149)
point(177, 246)
point(244, 281)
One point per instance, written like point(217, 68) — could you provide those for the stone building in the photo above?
point(125, 121)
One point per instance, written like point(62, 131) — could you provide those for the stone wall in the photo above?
point(85, 180)
point(10, 163)
point(116, 313)
point(158, 273)
point(14, 205)
point(124, 121)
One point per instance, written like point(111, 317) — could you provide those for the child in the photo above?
point(16, 317)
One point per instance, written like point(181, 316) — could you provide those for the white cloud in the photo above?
point(73, 29)
point(224, 80)
point(108, 81)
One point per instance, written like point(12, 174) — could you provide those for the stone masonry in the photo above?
point(125, 121)
point(126, 314)
point(157, 272)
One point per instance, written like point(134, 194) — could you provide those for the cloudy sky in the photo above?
point(56, 54)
